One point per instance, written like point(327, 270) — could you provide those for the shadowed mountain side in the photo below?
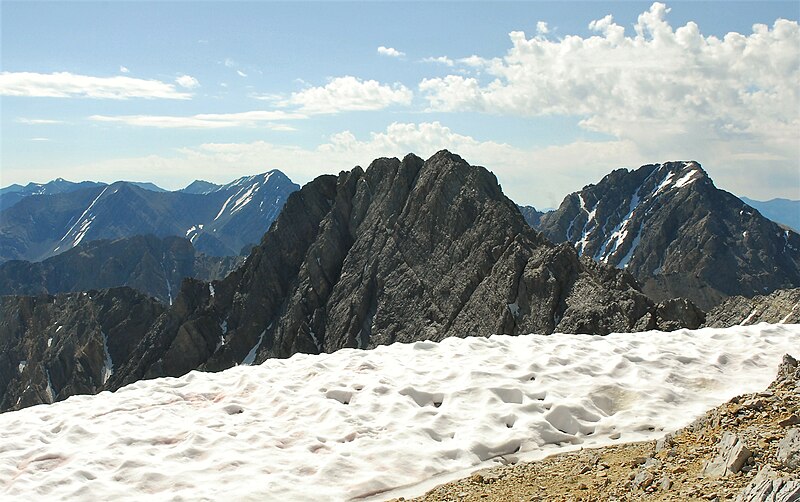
point(678, 234)
point(146, 263)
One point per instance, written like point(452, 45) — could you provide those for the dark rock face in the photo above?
point(406, 251)
point(146, 263)
point(679, 235)
point(52, 347)
point(218, 223)
point(781, 306)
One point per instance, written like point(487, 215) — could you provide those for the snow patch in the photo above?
point(21, 366)
point(84, 223)
point(355, 424)
point(251, 356)
point(687, 179)
point(108, 364)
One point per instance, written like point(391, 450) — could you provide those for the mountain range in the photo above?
point(678, 234)
point(406, 250)
point(219, 221)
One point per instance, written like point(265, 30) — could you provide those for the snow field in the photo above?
point(360, 423)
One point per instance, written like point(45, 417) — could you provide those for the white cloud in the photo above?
point(349, 94)
point(22, 120)
point(187, 81)
point(66, 85)
point(440, 60)
point(674, 93)
point(265, 119)
point(123, 69)
point(241, 73)
point(40, 139)
point(542, 28)
point(390, 51)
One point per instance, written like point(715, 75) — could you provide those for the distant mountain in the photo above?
point(531, 215)
point(201, 187)
point(12, 194)
point(678, 234)
point(219, 223)
point(783, 211)
point(405, 251)
point(146, 263)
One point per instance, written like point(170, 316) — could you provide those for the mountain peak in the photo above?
point(677, 233)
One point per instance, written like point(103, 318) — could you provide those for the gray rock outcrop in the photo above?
point(768, 487)
point(731, 457)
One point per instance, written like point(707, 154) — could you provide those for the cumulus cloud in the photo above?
point(68, 85)
point(265, 119)
point(673, 92)
point(241, 73)
point(390, 51)
point(187, 81)
point(349, 94)
point(123, 69)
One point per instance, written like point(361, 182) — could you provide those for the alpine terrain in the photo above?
point(678, 234)
point(404, 251)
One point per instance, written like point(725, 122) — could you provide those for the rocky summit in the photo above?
point(678, 234)
point(404, 251)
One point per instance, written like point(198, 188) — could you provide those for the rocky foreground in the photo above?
point(745, 450)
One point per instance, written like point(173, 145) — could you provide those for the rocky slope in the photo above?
point(781, 306)
point(746, 450)
point(679, 235)
point(219, 223)
point(52, 347)
point(148, 264)
point(406, 250)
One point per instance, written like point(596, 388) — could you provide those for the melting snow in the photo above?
point(365, 423)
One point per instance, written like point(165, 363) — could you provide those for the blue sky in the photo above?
point(172, 91)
